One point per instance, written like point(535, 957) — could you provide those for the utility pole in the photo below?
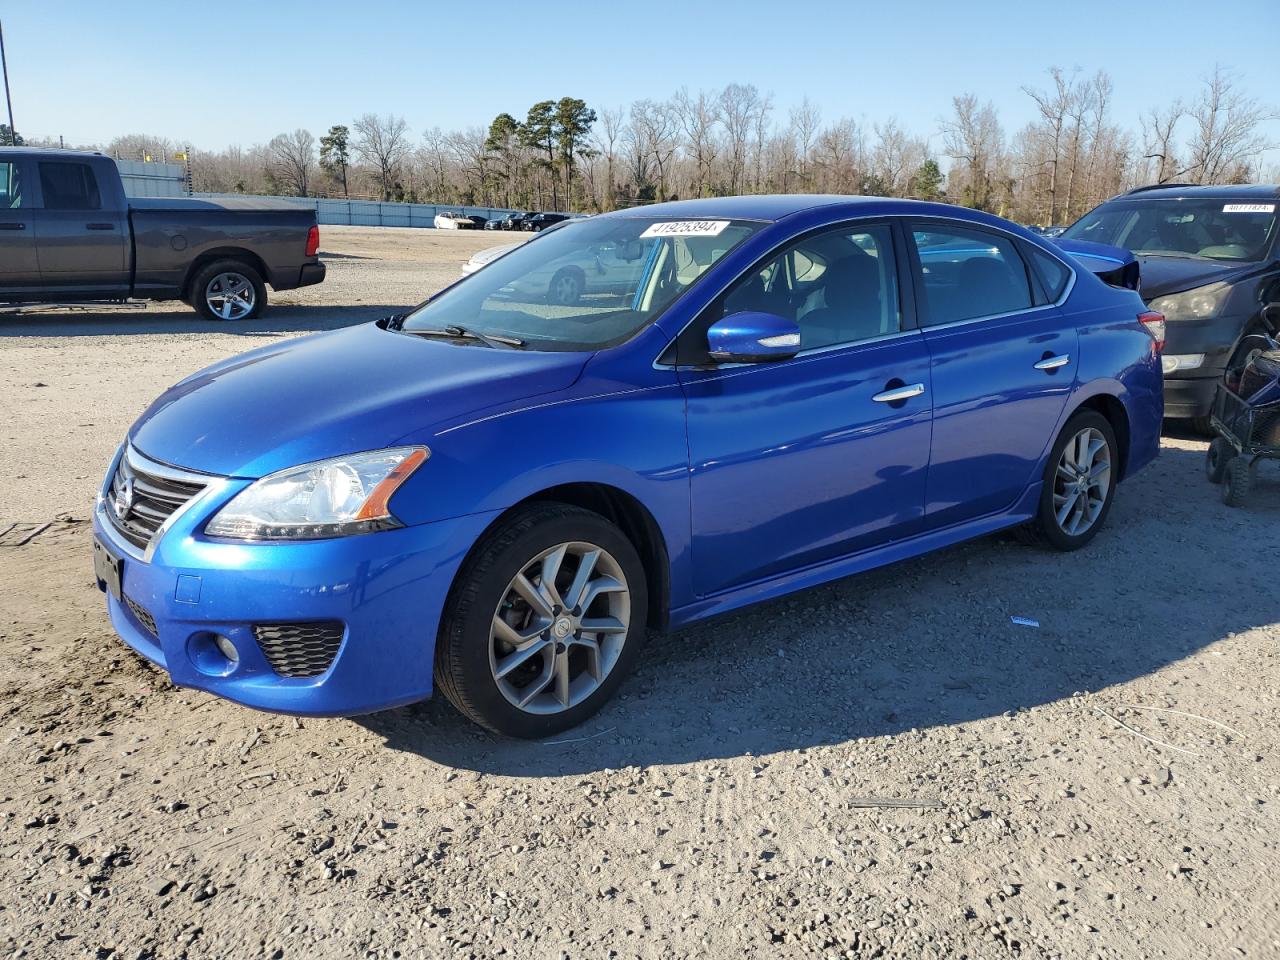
point(4, 65)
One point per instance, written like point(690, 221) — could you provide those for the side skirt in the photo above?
point(880, 556)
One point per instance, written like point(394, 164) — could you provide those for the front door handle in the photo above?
point(100, 226)
point(13, 226)
point(896, 394)
point(1053, 363)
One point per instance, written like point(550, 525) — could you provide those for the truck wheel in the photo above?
point(1216, 460)
point(544, 621)
point(1236, 483)
point(228, 290)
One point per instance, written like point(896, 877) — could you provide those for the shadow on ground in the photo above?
point(276, 320)
point(921, 644)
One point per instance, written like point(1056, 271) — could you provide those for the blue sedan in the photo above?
point(500, 491)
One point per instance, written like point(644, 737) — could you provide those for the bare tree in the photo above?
point(1227, 140)
point(698, 119)
point(739, 105)
point(972, 136)
point(293, 160)
point(1054, 106)
point(607, 136)
point(651, 141)
point(142, 146)
point(381, 142)
point(805, 121)
point(1159, 128)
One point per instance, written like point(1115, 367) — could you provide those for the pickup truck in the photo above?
point(68, 234)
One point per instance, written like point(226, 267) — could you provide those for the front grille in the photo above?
point(141, 614)
point(143, 495)
point(299, 649)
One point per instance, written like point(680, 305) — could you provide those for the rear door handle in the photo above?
point(100, 226)
point(905, 392)
point(13, 226)
point(1053, 363)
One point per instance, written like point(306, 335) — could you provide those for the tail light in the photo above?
point(313, 242)
point(1154, 324)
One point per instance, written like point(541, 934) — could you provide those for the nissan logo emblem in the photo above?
point(123, 502)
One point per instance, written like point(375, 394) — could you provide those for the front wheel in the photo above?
point(1079, 484)
point(544, 621)
point(228, 290)
point(1237, 478)
point(1215, 461)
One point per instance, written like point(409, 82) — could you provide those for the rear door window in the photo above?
point(968, 273)
point(69, 186)
point(10, 187)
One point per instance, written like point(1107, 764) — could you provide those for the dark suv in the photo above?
point(1210, 262)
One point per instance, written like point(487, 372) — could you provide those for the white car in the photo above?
point(486, 257)
point(454, 221)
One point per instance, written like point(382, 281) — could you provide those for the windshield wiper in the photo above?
point(488, 339)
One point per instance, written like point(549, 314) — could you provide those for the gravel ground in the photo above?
point(883, 767)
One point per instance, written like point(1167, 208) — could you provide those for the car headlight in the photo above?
point(1196, 304)
point(315, 501)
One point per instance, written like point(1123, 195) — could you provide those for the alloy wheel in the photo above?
point(230, 296)
point(1082, 482)
point(559, 628)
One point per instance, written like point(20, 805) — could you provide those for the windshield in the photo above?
point(1221, 229)
point(584, 285)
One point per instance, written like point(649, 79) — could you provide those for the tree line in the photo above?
point(564, 155)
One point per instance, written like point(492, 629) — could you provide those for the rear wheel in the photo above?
point(228, 290)
point(1238, 477)
point(1215, 461)
point(1079, 484)
point(545, 620)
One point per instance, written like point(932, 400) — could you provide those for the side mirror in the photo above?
point(753, 337)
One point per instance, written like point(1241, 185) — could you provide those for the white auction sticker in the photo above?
point(686, 228)
point(1249, 208)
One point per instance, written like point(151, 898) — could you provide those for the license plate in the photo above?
point(108, 568)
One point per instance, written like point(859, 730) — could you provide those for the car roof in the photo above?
point(1191, 191)
point(47, 153)
point(772, 207)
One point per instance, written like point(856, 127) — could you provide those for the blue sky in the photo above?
point(228, 71)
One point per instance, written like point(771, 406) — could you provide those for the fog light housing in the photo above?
point(213, 654)
point(226, 648)
point(1170, 362)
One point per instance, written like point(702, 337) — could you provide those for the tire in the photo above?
point(470, 650)
point(228, 276)
point(565, 288)
point(1202, 425)
point(1216, 460)
point(1045, 529)
point(1237, 479)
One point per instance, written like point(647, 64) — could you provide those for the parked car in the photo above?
point(1210, 262)
point(540, 221)
point(486, 257)
point(499, 495)
point(478, 222)
point(453, 220)
point(512, 221)
point(502, 223)
point(68, 234)
point(1053, 231)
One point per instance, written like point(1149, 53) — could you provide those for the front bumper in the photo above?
point(1186, 397)
point(387, 589)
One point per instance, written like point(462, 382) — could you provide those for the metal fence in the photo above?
point(152, 179)
point(372, 213)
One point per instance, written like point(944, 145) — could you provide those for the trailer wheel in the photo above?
point(1216, 460)
point(1238, 477)
point(228, 290)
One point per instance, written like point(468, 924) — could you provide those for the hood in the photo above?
point(321, 396)
point(1162, 275)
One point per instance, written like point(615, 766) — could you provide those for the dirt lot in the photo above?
point(882, 767)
